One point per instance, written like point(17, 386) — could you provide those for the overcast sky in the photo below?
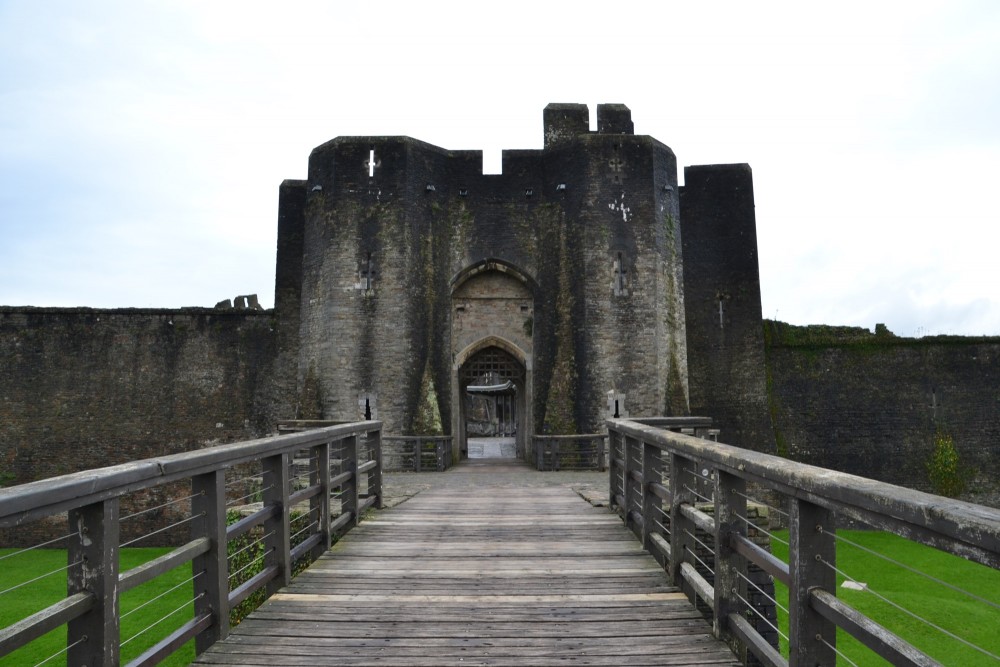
point(142, 143)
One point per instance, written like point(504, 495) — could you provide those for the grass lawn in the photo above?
point(136, 618)
point(970, 619)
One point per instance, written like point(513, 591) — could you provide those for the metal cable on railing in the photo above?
point(910, 613)
point(243, 480)
point(696, 494)
point(250, 545)
point(40, 545)
point(252, 563)
point(756, 501)
point(162, 618)
point(930, 577)
point(766, 620)
point(61, 651)
point(158, 507)
point(694, 554)
point(751, 524)
point(835, 650)
point(162, 530)
point(161, 595)
point(40, 577)
point(309, 528)
point(767, 596)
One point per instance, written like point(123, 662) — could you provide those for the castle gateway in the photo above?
point(580, 283)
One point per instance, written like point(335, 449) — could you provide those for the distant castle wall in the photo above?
point(83, 388)
point(871, 404)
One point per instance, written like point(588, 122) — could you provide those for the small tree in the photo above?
point(944, 471)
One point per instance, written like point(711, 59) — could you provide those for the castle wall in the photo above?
point(722, 302)
point(83, 388)
point(872, 405)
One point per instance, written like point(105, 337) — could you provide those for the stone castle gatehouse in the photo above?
point(580, 283)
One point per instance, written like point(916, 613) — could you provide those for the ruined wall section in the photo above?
point(722, 298)
point(83, 388)
point(872, 405)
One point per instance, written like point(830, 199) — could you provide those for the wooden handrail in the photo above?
point(92, 500)
point(583, 451)
point(45, 497)
point(396, 447)
point(642, 451)
point(965, 529)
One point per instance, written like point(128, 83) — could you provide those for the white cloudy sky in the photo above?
point(142, 143)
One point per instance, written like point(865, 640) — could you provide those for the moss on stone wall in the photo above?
point(560, 407)
point(310, 398)
point(427, 420)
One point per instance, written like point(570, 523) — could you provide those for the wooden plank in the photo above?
point(513, 576)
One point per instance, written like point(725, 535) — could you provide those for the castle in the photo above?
point(581, 283)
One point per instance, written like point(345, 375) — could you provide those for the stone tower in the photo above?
point(406, 275)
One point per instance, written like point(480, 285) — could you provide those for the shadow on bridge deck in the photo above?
point(509, 567)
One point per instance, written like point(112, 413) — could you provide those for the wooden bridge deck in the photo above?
point(498, 576)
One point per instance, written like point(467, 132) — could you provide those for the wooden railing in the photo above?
point(339, 478)
point(659, 477)
point(571, 452)
point(416, 453)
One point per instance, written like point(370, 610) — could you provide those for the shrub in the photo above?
point(946, 475)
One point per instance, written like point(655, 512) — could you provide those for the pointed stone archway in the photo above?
point(491, 345)
point(493, 363)
point(492, 388)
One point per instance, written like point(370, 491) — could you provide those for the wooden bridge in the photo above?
point(492, 568)
point(501, 576)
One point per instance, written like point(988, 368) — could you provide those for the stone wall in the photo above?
point(871, 404)
point(83, 388)
point(722, 299)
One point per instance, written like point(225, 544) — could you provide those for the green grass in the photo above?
point(34, 597)
point(973, 620)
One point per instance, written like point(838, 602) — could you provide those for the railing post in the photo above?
point(211, 569)
point(94, 638)
point(652, 505)
point(681, 528)
point(320, 504)
point(811, 559)
point(615, 480)
point(375, 476)
point(418, 451)
point(349, 492)
point(730, 519)
point(277, 542)
point(632, 499)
